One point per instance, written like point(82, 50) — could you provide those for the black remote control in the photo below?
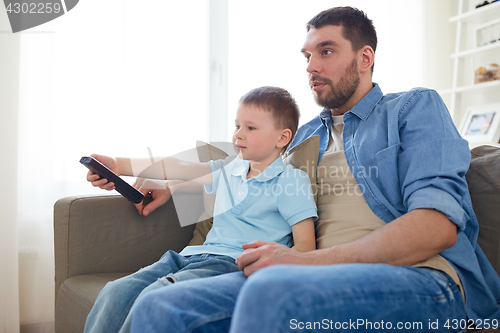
point(121, 186)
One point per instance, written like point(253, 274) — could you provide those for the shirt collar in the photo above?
point(362, 109)
point(366, 105)
point(273, 170)
point(240, 168)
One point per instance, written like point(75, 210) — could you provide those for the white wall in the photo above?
point(265, 38)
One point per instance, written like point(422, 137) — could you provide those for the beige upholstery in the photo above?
point(99, 239)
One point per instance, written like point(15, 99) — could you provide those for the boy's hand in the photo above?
point(103, 183)
point(260, 254)
point(156, 189)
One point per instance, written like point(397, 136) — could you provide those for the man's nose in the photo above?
point(313, 66)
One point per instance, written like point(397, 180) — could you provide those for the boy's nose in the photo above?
point(238, 134)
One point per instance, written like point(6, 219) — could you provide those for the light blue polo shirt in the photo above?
point(264, 207)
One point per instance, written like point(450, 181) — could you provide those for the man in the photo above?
point(400, 254)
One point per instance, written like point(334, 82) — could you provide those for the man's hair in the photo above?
point(356, 26)
point(279, 102)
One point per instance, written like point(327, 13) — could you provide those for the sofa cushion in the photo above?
point(76, 297)
point(304, 156)
point(206, 152)
point(483, 179)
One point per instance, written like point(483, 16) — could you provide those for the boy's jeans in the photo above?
point(352, 297)
point(116, 300)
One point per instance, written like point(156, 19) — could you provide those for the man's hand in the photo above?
point(103, 183)
point(260, 254)
point(156, 189)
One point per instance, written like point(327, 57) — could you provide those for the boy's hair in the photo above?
point(356, 26)
point(279, 102)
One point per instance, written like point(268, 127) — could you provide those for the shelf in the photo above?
point(471, 87)
point(476, 50)
point(485, 10)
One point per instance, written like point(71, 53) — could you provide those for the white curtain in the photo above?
point(9, 285)
point(112, 77)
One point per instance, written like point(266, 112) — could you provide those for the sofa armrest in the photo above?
point(106, 234)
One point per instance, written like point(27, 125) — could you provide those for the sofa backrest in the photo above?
point(483, 179)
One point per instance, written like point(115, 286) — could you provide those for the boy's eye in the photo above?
point(237, 127)
point(251, 128)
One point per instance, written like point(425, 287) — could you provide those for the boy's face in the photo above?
point(256, 136)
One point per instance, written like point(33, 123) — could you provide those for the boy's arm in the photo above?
point(167, 168)
point(161, 191)
point(304, 236)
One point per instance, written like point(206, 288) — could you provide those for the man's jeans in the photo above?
point(351, 297)
point(113, 305)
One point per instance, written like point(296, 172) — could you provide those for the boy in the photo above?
point(247, 207)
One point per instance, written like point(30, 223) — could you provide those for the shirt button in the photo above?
point(241, 193)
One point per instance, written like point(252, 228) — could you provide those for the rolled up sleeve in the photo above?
point(434, 160)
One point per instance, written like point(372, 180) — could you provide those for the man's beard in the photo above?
point(342, 93)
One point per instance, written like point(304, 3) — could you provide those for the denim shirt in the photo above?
point(405, 153)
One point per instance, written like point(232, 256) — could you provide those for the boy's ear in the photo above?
point(286, 136)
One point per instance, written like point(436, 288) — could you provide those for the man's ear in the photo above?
point(286, 136)
point(366, 58)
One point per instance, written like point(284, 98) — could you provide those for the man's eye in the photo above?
point(307, 57)
point(326, 52)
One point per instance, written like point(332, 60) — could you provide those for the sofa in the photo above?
point(101, 238)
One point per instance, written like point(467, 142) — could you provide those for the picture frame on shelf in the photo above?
point(481, 124)
point(487, 33)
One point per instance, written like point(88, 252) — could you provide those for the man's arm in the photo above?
point(412, 238)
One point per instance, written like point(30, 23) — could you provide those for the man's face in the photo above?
point(332, 67)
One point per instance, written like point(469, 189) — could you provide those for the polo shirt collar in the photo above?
point(241, 168)
point(273, 170)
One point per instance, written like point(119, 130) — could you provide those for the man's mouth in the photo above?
point(317, 85)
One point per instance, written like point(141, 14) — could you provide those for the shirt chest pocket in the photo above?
point(388, 181)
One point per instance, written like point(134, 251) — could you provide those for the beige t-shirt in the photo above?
point(344, 215)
